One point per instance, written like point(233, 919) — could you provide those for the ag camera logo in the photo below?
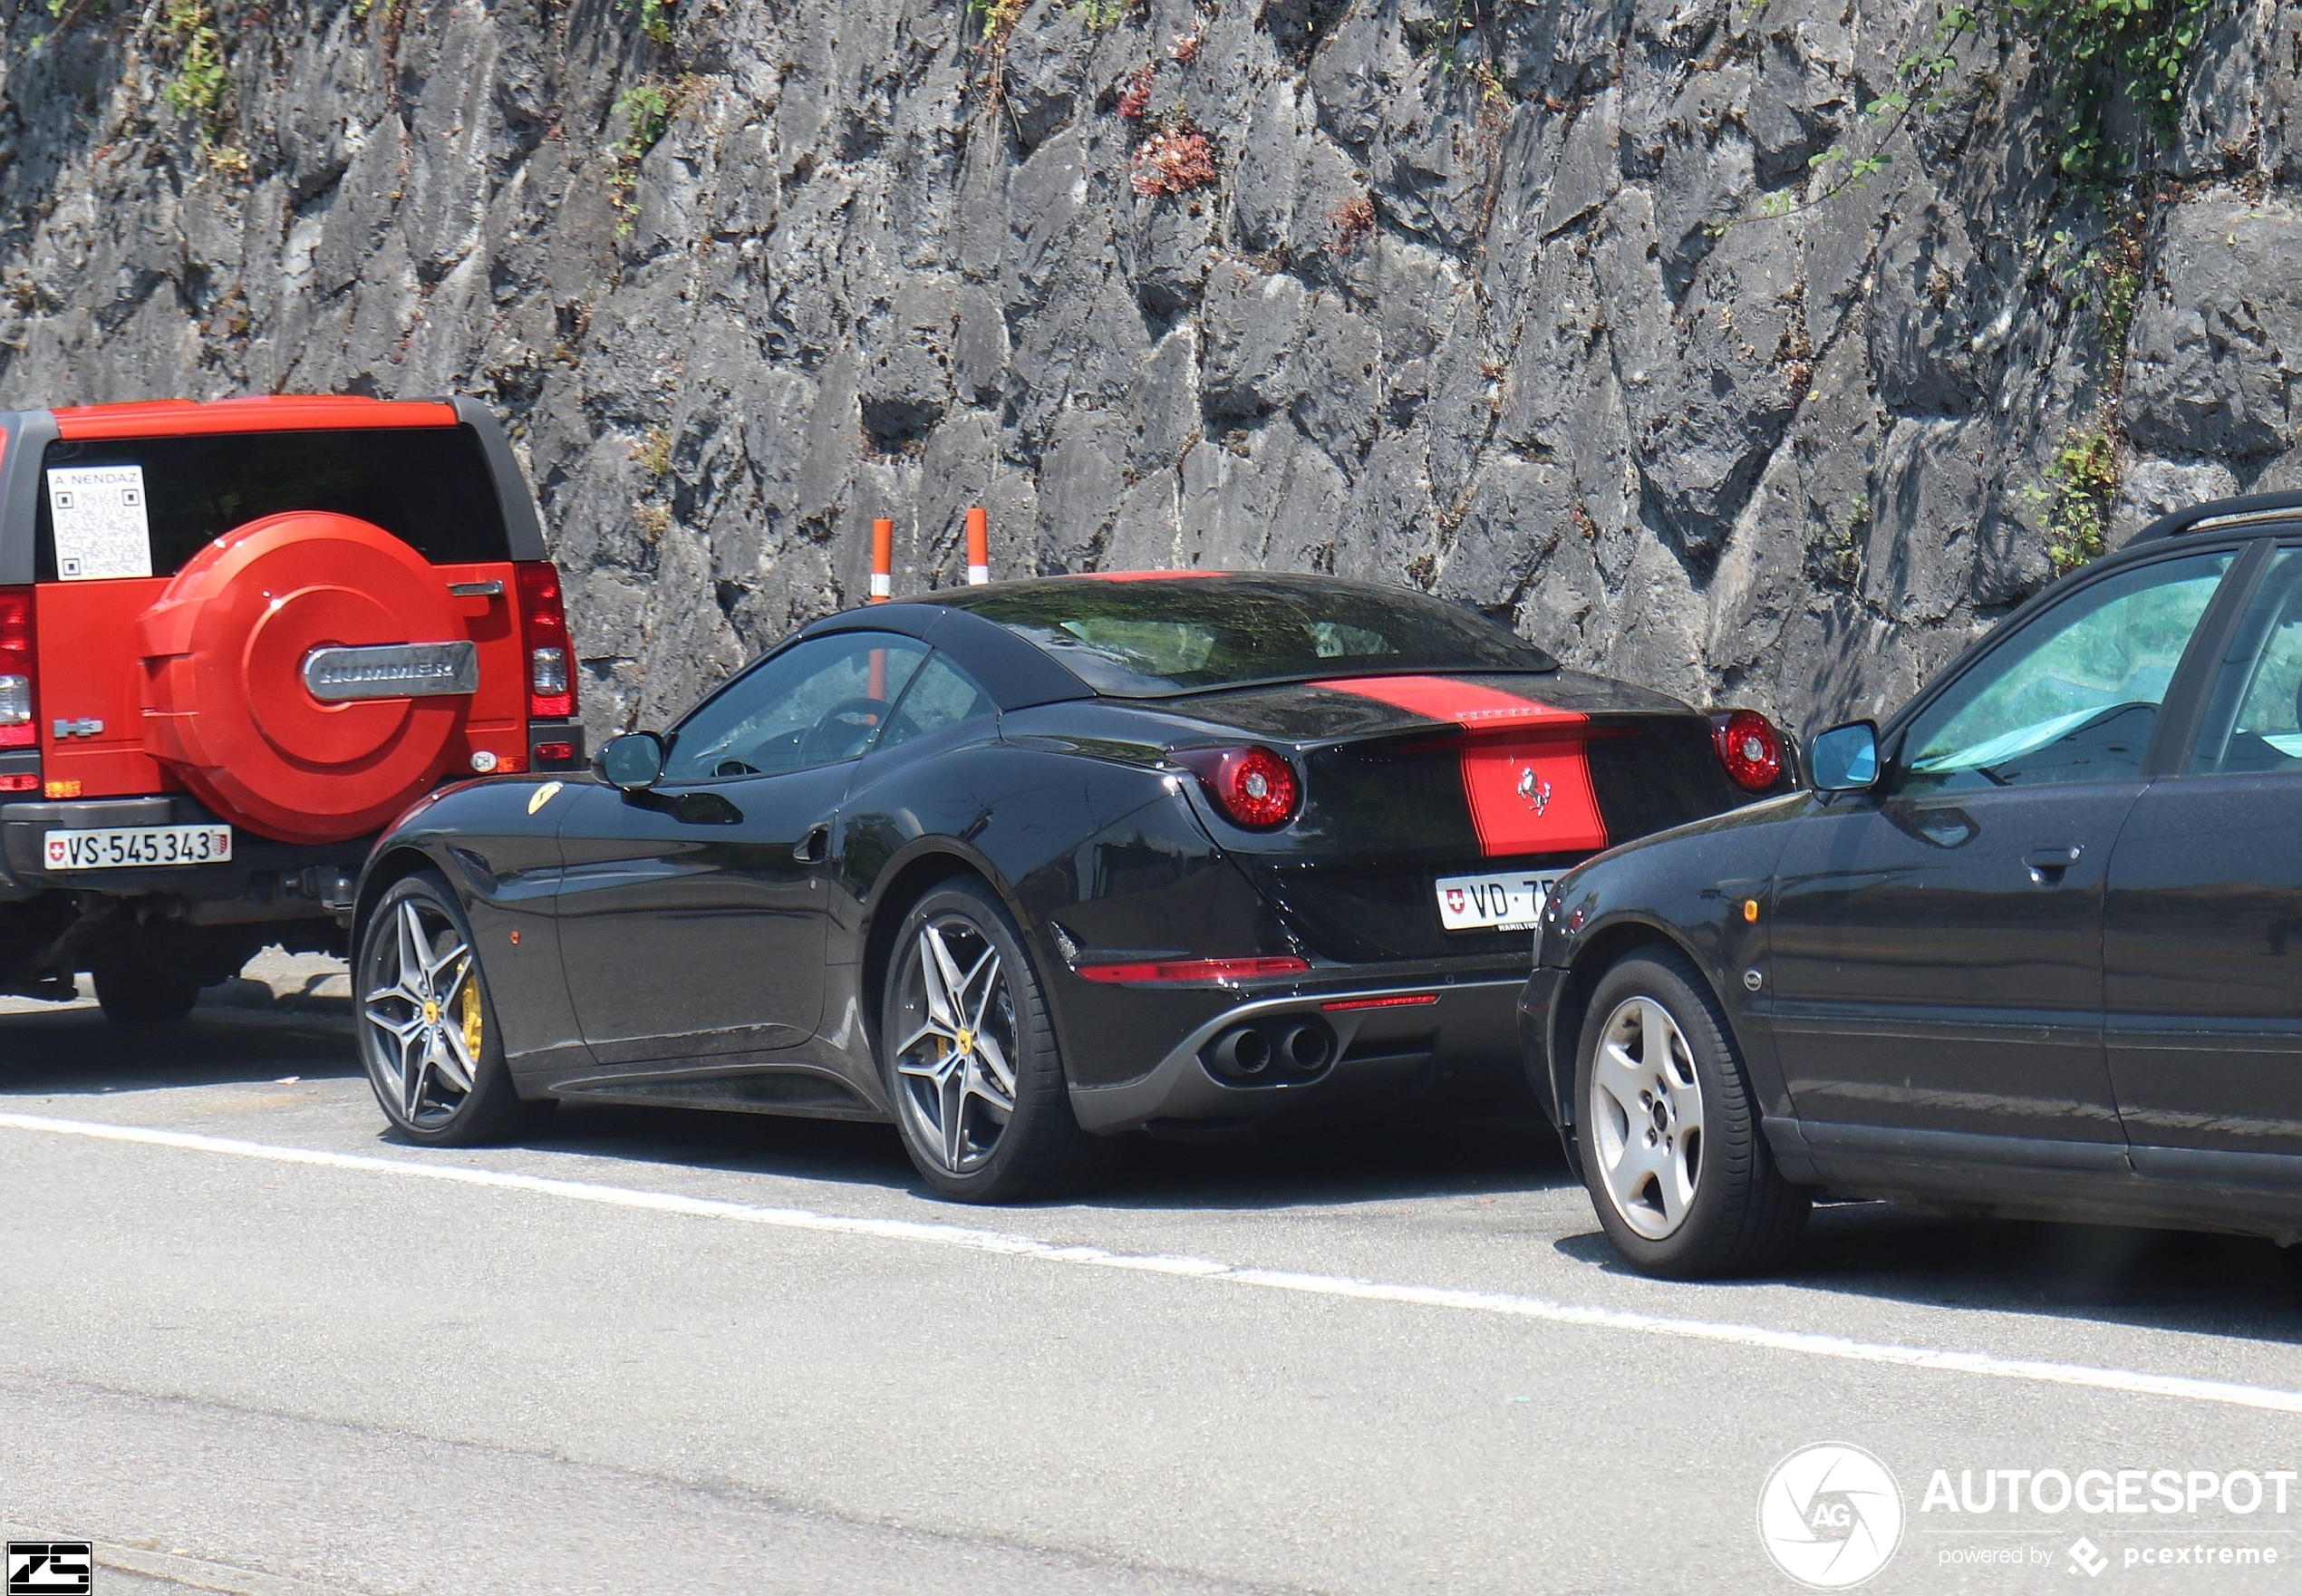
point(1830, 1516)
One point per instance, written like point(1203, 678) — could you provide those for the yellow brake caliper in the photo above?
point(475, 1024)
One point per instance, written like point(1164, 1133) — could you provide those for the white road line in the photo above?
point(2134, 1382)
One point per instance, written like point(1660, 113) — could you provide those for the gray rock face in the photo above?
point(1478, 309)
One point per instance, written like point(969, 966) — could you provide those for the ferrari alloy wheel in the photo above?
point(1646, 1118)
point(954, 1070)
point(971, 1062)
point(424, 1033)
point(1678, 1168)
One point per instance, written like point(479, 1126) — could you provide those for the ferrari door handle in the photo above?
point(2048, 864)
point(809, 849)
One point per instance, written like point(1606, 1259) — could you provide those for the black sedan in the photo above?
point(2034, 948)
point(1022, 864)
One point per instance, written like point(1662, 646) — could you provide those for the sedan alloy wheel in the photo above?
point(1647, 1116)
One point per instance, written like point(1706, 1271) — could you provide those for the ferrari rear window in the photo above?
point(1148, 639)
point(426, 485)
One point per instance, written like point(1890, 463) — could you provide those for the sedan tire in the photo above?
point(969, 1056)
point(428, 1030)
point(1677, 1165)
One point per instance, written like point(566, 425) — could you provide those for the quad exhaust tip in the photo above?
point(1280, 1051)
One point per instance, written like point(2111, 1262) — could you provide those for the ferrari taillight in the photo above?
point(19, 671)
point(551, 663)
point(1253, 787)
point(1750, 748)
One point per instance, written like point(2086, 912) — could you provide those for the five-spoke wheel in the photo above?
point(424, 1032)
point(954, 1074)
point(1671, 1148)
point(1646, 1116)
point(971, 1061)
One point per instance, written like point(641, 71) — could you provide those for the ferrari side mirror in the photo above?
point(1845, 759)
point(634, 761)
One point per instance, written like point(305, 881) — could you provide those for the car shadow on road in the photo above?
point(1341, 1167)
point(231, 1038)
point(2194, 1283)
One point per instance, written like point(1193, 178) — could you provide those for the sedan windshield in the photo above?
point(1148, 639)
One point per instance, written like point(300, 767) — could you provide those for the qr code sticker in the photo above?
point(101, 527)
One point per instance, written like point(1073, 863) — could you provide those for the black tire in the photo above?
point(1743, 1216)
point(1040, 1150)
point(442, 1115)
point(133, 988)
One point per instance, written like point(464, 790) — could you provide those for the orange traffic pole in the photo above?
point(883, 588)
point(979, 548)
point(882, 561)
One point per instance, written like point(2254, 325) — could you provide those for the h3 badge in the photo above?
point(50, 1568)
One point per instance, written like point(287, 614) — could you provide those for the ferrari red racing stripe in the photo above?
point(1526, 776)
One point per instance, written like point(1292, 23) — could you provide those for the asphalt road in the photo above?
point(249, 1344)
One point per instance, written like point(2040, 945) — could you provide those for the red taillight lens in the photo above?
point(1750, 748)
point(1197, 972)
point(554, 754)
point(18, 671)
point(551, 660)
point(1253, 787)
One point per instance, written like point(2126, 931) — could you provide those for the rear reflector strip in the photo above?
point(1526, 776)
point(19, 784)
point(559, 753)
point(1396, 1000)
point(1194, 971)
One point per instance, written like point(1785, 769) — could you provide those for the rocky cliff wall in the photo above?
point(1456, 307)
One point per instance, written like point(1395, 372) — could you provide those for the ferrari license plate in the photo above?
point(1506, 901)
point(125, 848)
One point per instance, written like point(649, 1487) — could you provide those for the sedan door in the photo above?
point(2203, 939)
point(692, 915)
point(1936, 952)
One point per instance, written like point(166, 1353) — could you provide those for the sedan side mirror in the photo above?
point(1845, 759)
point(634, 761)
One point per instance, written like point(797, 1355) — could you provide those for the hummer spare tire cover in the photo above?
point(229, 702)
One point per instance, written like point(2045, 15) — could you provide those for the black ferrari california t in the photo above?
point(2034, 948)
point(1022, 864)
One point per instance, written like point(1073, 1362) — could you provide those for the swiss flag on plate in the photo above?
point(57, 852)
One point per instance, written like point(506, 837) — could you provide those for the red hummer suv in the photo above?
point(237, 640)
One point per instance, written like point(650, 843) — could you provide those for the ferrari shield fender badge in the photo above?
point(542, 796)
point(1534, 790)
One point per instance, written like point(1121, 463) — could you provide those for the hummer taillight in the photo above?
point(19, 671)
point(551, 659)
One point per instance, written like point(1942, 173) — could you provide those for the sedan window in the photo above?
point(815, 703)
point(2074, 695)
point(2254, 717)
